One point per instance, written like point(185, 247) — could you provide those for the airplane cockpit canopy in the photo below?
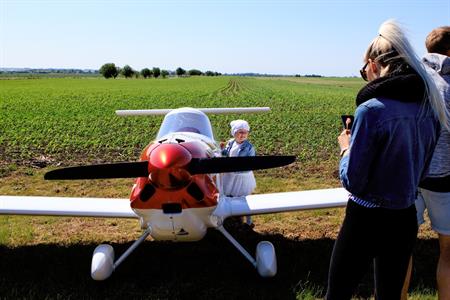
point(186, 120)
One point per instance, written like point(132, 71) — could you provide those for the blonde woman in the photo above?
point(384, 158)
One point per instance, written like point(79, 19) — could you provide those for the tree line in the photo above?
point(110, 70)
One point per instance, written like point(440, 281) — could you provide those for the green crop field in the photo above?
point(49, 122)
point(74, 119)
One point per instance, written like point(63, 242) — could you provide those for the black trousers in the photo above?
point(384, 236)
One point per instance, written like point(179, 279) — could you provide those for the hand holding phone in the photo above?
point(347, 121)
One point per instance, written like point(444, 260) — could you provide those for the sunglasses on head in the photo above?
point(363, 71)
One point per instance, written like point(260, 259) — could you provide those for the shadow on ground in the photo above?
point(209, 269)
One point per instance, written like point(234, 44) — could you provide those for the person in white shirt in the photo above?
point(239, 184)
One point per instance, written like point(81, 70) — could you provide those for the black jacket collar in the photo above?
point(401, 86)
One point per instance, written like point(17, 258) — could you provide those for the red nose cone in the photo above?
point(167, 156)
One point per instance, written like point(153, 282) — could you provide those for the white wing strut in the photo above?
point(281, 202)
point(225, 110)
point(65, 206)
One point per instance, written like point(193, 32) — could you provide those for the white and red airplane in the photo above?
point(177, 193)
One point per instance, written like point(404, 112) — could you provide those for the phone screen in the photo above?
point(347, 121)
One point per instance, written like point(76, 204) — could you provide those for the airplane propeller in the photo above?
point(236, 164)
point(194, 166)
point(103, 171)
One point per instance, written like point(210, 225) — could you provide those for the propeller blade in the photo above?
point(236, 164)
point(115, 170)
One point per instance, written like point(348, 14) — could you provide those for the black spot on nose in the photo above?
point(147, 192)
point(171, 208)
point(195, 191)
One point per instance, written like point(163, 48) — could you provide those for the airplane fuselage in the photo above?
point(176, 205)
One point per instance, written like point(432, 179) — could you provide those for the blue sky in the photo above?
point(277, 37)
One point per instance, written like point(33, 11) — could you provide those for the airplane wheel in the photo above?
point(266, 260)
point(102, 262)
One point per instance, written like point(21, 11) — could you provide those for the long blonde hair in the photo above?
point(393, 51)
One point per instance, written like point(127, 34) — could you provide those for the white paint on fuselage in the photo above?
point(188, 225)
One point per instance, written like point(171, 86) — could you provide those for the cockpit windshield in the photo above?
point(186, 120)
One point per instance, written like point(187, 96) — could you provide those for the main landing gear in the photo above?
point(266, 260)
point(103, 259)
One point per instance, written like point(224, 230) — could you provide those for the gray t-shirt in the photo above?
point(440, 163)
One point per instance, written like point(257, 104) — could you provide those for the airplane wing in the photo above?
point(66, 206)
point(120, 208)
point(281, 202)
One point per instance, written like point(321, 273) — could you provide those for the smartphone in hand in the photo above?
point(347, 121)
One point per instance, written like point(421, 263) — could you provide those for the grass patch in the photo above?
point(15, 231)
point(6, 169)
point(423, 293)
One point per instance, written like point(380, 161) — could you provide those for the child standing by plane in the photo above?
point(239, 184)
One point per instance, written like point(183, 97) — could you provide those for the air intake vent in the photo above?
point(171, 208)
point(195, 192)
point(147, 192)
